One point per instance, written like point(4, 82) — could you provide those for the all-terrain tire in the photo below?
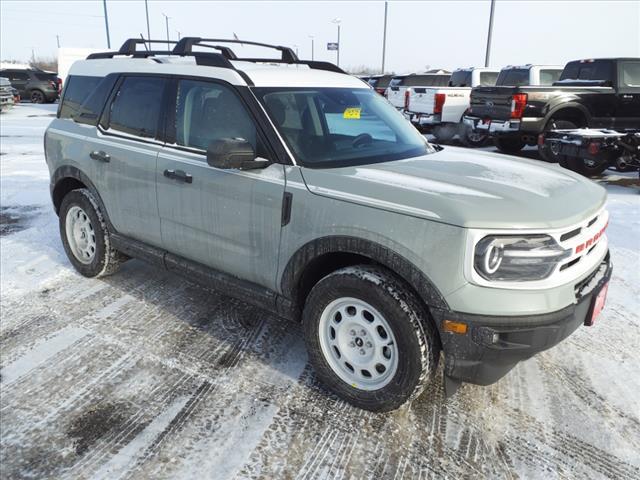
point(582, 166)
point(417, 344)
point(469, 138)
point(508, 145)
point(37, 96)
point(106, 259)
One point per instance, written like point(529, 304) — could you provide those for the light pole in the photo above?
point(167, 23)
point(178, 31)
point(146, 9)
point(106, 22)
point(384, 36)
point(488, 54)
point(337, 22)
point(296, 47)
point(312, 49)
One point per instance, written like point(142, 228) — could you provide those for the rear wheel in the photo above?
point(471, 138)
point(548, 152)
point(444, 133)
point(85, 236)
point(369, 339)
point(588, 168)
point(508, 144)
point(36, 96)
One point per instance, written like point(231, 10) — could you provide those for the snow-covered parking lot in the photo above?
point(143, 375)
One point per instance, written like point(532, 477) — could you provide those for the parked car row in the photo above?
point(34, 84)
point(7, 99)
point(521, 105)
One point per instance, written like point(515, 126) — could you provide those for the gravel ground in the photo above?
point(144, 375)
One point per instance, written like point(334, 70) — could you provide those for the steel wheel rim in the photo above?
point(358, 344)
point(80, 235)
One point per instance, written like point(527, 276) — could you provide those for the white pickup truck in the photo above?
point(439, 110)
point(400, 86)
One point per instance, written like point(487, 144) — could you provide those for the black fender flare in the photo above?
point(68, 171)
point(554, 109)
point(419, 281)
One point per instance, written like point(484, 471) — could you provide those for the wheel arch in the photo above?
point(68, 178)
point(571, 111)
point(321, 256)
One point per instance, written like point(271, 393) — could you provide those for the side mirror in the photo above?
point(227, 153)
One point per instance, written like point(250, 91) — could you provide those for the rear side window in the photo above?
point(488, 79)
point(76, 91)
point(548, 76)
point(426, 80)
point(46, 76)
point(513, 77)
point(13, 75)
point(373, 81)
point(598, 71)
point(135, 109)
point(461, 78)
point(383, 82)
point(397, 81)
point(630, 74)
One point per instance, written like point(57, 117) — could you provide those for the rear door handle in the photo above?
point(100, 156)
point(179, 175)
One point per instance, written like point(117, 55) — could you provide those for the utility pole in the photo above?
point(384, 36)
point(337, 22)
point(488, 53)
point(312, 49)
point(167, 23)
point(58, 40)
point(106, 22)
point(146, 9)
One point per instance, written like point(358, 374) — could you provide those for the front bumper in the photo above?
point(492, 346)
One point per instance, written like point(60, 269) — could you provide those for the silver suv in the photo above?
point(294, 186)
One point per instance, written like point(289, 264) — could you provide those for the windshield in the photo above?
point(336, 127)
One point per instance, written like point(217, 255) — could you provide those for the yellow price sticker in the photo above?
point(352, 113)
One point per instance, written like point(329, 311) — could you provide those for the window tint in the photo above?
point(206, 112)
point(488, 79)
point(513, 77)
point(598, 71)
point(136, 107)
point(76, 91)
point(373, 81)
point(13, 75)
point(426, 80)
point(46, 76)
point(461, 78)
point(547, 76)
point(397, 81)
point(630, 76)
point(383, 82)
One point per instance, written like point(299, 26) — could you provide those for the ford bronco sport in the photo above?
point(296, 187)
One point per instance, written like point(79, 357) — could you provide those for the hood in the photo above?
point(467, 188)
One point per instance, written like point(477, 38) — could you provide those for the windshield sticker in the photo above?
point(352, 113)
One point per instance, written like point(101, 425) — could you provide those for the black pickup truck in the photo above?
point(601, 93)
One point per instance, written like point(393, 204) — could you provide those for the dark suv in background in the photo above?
point(36, 85)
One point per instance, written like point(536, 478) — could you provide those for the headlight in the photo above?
point(517, 258)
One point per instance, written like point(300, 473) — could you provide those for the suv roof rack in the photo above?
point(184, 48)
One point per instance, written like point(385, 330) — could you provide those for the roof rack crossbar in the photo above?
point(186, 44)
point(129, 46)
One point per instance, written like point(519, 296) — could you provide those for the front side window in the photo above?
point(333, 127)
point(136, 106)
point(488, 79)
point(630, 76)
point(206, 112)
point(548, 76)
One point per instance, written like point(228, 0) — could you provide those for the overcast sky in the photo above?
point(435, 33)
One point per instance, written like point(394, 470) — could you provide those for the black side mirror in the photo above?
point(227, 153)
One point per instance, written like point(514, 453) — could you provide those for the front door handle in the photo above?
point(100, 156)
point(179, 175)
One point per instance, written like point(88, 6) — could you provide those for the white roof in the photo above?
point(261, 74)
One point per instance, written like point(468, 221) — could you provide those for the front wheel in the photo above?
point(85, 236)
point(369, 339)
point(508, 144)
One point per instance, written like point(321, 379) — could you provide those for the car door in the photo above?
point(229, 220)
point(628, 94)
point(126, 144)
